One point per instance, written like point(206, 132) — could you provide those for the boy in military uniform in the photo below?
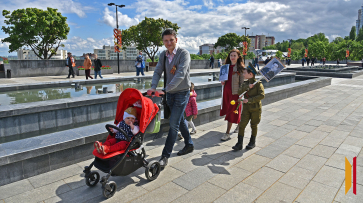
point(251, 106)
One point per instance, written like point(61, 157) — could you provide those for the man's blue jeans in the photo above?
point(177, 103)
point(139, 70)
point(98, 73)
point(257, 65)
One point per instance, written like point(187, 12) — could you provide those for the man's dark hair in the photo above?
point(168, 32)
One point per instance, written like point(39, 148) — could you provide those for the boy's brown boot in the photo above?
point(252, 143)
point(239, 144)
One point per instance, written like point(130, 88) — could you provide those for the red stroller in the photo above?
point(124, 162)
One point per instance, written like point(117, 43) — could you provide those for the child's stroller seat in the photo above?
point(124, 162)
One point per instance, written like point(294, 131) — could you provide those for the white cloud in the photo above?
point(195, 7)
point(208, 3)
point(78, 45)
point(109, 18)
point(4, 45)
point(64, 6)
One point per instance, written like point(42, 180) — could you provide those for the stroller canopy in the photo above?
point(127, 98)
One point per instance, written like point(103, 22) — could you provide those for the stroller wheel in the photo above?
point(152, 170)
point(110, 189)
point(92, 179)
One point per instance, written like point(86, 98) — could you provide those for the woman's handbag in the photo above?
point(167, 111)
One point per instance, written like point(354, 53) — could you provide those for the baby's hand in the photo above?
point(131, 125)
point(112, 130)
point(251, 86)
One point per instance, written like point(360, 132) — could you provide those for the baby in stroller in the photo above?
point(129, 124)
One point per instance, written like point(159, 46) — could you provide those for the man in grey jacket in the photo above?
point(177, 67)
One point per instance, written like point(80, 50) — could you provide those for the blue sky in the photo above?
point(201, 21)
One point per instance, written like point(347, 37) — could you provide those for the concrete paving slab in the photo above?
point(278, 193)
point(349, 197)
point(332, 142)
point(159, 195)
point(298, 177)
point(249, 194)
point(56, 175)
point(330, 176)
point(312, 162)
point(296, 134)
point(15, 188)
point(323, 151)
point(348, 150)
point(282, 163)
point(204, 193)
point(317, 193)
point(338, 161)
point(41, 193)
point(230, 178)
point(309, 142)
point(297, 151)
point(166, 176)
point(354, 141)
point(264, 178)
point(253, 163)
point(195, 177)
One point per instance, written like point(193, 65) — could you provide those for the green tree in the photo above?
point(41, 30)
point(319, 49)
point(196, 57)
point(279, 54)
point(271, 47)
point(230, 41)
point(338, 40)
point(320, 37)
point(360, 35)
point(147, 35)
point(250, 55)
point(352, 34)
point(297, 46)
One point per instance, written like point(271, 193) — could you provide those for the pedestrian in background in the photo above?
point(307, 61)
point(87, 63)
point(98, 67)
point(219, 63)
point(140, 64)
point(211, 59)
point(324, 59)
point(313, 61)
point(338, 61)
point(256, 62)
point(303, 61)
point(70, 62)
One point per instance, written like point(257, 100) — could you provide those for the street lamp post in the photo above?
point(244, 56)
point(118, 53)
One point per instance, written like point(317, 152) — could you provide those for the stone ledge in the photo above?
point(15, 87)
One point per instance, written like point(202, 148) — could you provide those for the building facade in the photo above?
point(359, 23)
point(108, 52)
point(209, 49)
point(260, 41)
point(26, 54)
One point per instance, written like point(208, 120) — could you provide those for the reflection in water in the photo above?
point(27, 96)
point(37, 95)
point(89, 88)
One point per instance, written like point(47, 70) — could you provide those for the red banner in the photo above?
point(306, 52)
point(117, 37)
point(289, 52)
point(245, 48)
point(347, 54)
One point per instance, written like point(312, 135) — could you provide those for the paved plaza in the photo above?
point(300, 157)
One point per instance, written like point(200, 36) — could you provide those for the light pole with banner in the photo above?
point(117, 36)
point(245, 45)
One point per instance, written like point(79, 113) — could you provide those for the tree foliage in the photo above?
point(352, 34)
point(41, 30)
point(146, 35)
point(360, 35)
point(279, 54)
point(231, 40)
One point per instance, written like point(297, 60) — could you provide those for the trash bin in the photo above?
point(147, 68)
point(8, 73)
